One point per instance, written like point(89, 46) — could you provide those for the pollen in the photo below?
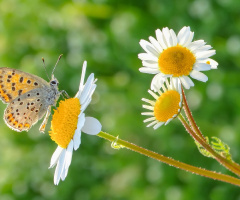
point(167, 105)
point(176, 61)
point(64, 121)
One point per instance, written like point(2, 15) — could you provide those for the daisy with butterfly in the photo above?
point(29, 97)
point(68, 122)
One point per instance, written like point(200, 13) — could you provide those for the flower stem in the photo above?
point(226, 163)
point(210, 174)
point(190, 117)
point(198, 136)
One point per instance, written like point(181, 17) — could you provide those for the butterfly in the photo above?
point(28, 96)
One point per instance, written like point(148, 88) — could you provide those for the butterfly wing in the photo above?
point(14, 83)
point(25, 110)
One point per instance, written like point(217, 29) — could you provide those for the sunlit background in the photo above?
point(106, 33)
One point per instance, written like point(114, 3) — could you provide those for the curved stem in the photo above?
point(232, 166)
point(119, 143)
point(190, 117)
point(226, 163)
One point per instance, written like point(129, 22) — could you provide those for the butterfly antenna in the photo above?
point(56, 63)
point(45, 67)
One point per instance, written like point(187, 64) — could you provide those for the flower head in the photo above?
point(167, 104)
point(68, 121)
point(176, 56)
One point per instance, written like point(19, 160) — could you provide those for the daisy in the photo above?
point(167, 104)
point(68, 121)
point(176, 56)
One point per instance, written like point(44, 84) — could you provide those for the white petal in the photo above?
point(83, 76)
point(202, 67)
point(149, 48)
point(212, 62)
point(167, 37)
point(166, 123)
point(148, 101)
point(182, 32)
point(190, 82)
point(156, 44)
point(150, 62)
point(147, 113)
point(167, 75)
point(205, 47)
point(55, 156)
point(68, 159)
point(160, 39)
point(146, 56)
point(157, 82)
point(86, 87)
point(85, 105)
point(174, 37)
point(198, 76)
point(176, 83)
point(196, 44)
point(155, 96)
point(189, 40)
point(59, 168)
point(152, 123)
point(153, 65)
point(77, 134)
point(158, 125)
point(149, 119)
point(148, 70)
point(205, 54)
point(91, 126)
point(88, 95)
point(202, 49)
point(77, 139)
point(81, 121)
point(183, 35)
point(62, 177)
point(180, 103)
point(168, 84)
point(186, 81)
point(148, 107)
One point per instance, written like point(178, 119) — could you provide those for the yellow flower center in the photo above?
point(177, 61)
point(167, 105)
point(64, 121)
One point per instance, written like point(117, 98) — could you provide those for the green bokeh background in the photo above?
point(106, 33)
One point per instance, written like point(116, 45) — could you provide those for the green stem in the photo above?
point(198, 136)
point(190, 117)
point(210, 174)
point(226, 163)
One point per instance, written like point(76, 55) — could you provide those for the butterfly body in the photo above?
point(29, 97)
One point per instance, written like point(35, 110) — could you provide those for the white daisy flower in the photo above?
point(68, 121)
point(176, 56)
point(167, 104)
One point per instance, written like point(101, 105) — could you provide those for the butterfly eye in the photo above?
point(54, 83)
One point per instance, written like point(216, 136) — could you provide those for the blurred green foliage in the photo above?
point(106, 33)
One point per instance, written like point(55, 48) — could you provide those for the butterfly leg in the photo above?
point(65, 94)
point(44, 123)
